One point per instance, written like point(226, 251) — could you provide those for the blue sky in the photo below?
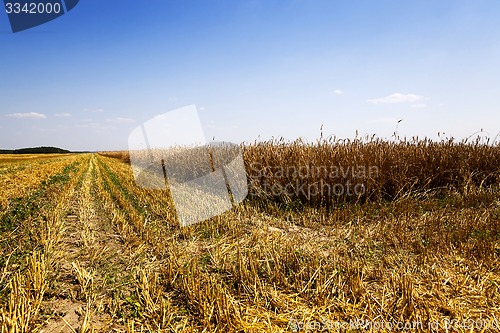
point(254, 69)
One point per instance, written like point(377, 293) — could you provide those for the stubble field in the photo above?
point(346, 236)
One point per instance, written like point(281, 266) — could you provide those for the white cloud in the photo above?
point(172, 98)
point(419, 106)
point(338, 92)
point(202, 108)
point(396, 98)
point(29, 115)
point(121, 120)
point(62, 114)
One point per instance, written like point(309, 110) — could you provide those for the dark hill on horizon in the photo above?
point(36, 150)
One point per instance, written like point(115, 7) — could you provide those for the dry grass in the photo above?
point(420, 246)
point(121, 155)
point(386, 170)
point(21, 178)
point(14, 158)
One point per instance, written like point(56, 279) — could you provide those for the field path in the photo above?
point(91, 265)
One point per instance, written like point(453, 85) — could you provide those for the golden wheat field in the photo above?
point(345, 236)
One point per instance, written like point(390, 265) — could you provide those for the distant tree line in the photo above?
point(37, 150)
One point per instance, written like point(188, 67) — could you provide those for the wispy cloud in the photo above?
point(62, 114)
point(121, 120)
point(397, 98)
point(29, 115)
point(338, 92)
point(172, 98)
